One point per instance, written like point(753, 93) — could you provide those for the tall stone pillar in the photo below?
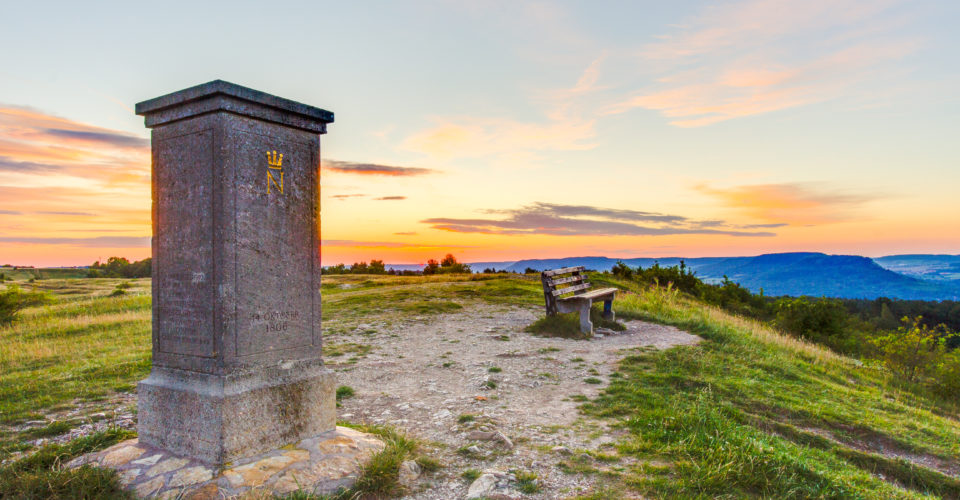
point(237, 366)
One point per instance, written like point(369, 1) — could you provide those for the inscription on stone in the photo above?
point(184, 181)
point(273, 265)
point(274, 167)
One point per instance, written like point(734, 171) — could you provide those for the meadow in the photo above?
point(747, 413)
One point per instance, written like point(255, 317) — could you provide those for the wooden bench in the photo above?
point(582, 296)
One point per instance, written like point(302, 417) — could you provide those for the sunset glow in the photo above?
point(503, 131)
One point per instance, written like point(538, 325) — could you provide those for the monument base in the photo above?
point(320, 465)
point(217, 419)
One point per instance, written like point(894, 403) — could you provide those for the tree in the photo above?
point(913, 350)
point(432, 267)
point(120, 267)
point(376, 267)
point(622, 270)
point(819, 320)
point(449, 264)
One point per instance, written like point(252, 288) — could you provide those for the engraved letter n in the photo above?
point(274, 162)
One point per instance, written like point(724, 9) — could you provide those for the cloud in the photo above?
point(790, 203)
point(100, 138)
point(8, 164)
point(581, 220)
point(78, 214)
point(95, 242)
point(382, 244)
point(390, 198)
point(60, 150)
point(567, 125)
point(346, 196)
point(758, 56)
point(406, 233)
point(10, 212)
point(348, 167)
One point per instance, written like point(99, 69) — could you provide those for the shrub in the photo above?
point(946, 375)
point(13, 299)
point(119, 267)
point(914, 350)
point(820, 320)
point(344, 392)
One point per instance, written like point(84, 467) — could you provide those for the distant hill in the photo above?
point(909, 277)
point(794, 274)
point(928, 267)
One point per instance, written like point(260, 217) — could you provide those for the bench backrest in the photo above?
point(557, 282)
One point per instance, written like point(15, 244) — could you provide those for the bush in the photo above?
point(913, 351)
point(448, 265)
point(119, 267)
point(819, 320)
point(13, 299)
point(946, 375)
point(344, 392)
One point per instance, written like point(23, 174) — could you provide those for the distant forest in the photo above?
point(120, 267)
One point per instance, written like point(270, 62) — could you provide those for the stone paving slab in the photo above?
point(320, 465)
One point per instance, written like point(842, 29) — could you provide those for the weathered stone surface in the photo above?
point(192, 475)
point(237, 366)
point(210, 491)
point(408, 473)
point(279, 471)
point(152, 459)
point(339, 444)
point(482, 486)
point(257, 473)
point(166, 466)
point(150, 487)
point(121, 455)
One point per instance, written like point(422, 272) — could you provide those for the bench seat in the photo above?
point(579, 295)
point(592, 294)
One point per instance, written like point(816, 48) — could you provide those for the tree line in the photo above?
point(916, 340)
point(447, 265)
point(120, 267)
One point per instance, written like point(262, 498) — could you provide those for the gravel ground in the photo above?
point(428, 377)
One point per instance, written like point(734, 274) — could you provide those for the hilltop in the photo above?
point(908, 277)
point(742, 412)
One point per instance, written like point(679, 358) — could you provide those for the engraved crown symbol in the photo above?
point(275, 160)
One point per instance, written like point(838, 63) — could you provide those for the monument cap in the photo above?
point(220, 95)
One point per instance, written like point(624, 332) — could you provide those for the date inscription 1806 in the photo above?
point(275, 321)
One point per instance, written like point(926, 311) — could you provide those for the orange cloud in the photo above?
point(350, 167)
point(568, 127)
point(755, 57)
point(793, 203)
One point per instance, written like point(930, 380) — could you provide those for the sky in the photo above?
point(499, 131)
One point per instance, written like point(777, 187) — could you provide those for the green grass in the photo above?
point(568, 325)
point(527, 482)
point(81, 347)
point(344, 392)
point(741, 415)
point(747, 413)
point(41, 475)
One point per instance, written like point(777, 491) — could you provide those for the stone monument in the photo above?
point(238, 399)
point(237, 366)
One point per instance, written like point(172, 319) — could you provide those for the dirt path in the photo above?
point(438, 380)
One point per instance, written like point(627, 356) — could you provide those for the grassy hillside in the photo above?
point(41, 273)
point(746, 413)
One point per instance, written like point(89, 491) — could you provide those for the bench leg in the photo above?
point(586, 326)
point(608, 310)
